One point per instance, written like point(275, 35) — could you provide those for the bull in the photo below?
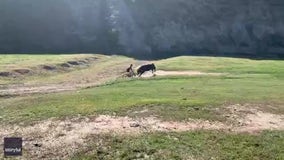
point(145, 68)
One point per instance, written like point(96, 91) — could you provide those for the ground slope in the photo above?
point(188, 106)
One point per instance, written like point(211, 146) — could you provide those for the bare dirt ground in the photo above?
point(46, 139)
point(180, 73)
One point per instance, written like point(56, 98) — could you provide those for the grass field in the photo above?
point(178, 98)
point(160, 94)
point(229, 65)
point(179, 95)
point(187, 145)
point(39, 76)
point(8, 62)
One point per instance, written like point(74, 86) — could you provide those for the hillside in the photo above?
point(190, 108)
point(144, 28)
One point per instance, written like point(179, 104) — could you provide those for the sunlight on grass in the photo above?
point(228, 65)
point(168, 92)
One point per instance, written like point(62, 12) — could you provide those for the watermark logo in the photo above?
point(13, 146)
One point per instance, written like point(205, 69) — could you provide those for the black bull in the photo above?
point(145, 68)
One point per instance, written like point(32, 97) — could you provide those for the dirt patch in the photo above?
point(21, 90)
point(179, 73)
point(65, 65)
point(45, 139)
point(49, 67)
point(252, 120)
point(260, 120)
point(6, 74)
point(82, 62)
point(75, 63)
point(91, 59)
point(23, 71)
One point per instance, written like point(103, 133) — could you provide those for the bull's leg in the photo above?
point(138, 74)
point(141, 73)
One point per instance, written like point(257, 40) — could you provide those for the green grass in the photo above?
point(170, 98)
point(227, 65)
point(186, 145)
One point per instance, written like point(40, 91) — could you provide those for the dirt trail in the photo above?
point(109, 74)
point(26, 89)
point(185, 73)
point(16, 90)
point(46, 138)
point(180, 73)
